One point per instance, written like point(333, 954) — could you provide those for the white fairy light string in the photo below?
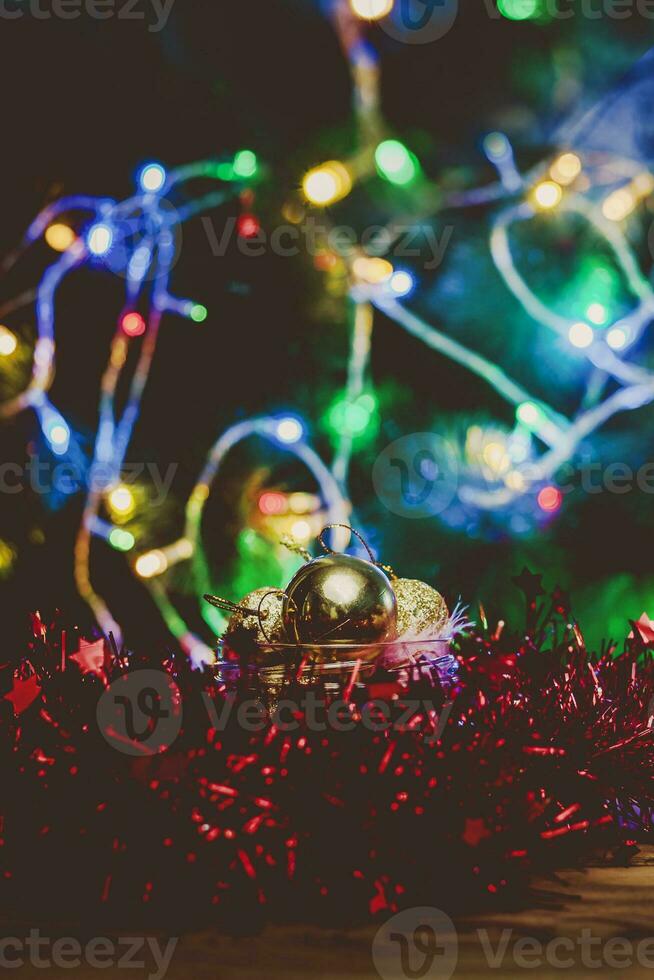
point(549, 182)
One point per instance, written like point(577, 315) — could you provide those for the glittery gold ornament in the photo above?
point(419, 607)
point(339, 599)
point(265, 604)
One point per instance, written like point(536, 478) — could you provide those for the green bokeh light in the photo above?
point(121, 540)
point(519, 9)
point(355, 419)
point(199, 313)
point(530, 414)
point(245, 164)
point(395, 163)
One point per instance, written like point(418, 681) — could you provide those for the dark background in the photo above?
point(86, 102)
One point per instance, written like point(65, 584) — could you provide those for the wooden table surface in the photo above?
point(611, 902)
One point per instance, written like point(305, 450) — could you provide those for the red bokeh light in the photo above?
point(273, 503)
point(550, 499)
point(248, 226)
point(133, 324)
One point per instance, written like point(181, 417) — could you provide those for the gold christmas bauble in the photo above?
point(339, 599)
point(269, 601)
point(419, 607)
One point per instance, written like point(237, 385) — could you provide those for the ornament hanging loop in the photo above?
point(330, 551)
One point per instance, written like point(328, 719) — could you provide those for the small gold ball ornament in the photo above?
point(419, 607)
point(340, 599)
point(271, 627)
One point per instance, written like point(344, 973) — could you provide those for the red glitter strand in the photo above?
point(533, 754)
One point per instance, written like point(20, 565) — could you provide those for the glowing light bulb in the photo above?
point(597, 314)
point(402, 283)
point(547, 195)
point(515, 481)
point(55, 428)
point(151, 564)
point(518, 9)
point(372, 270)
point(58, 435)
point(245, 164)
point(395, 162)
point(289, 430)
point(121, 502)
point(301, 530)
point(581, 335)
point(618, 205)
point(371, 9)
point(133, 324)
point(496, 457)
point(99, 239)
point(352, 418)
point(199, 313)
point(529, 413)
point(8, 342)
point(273, 504)
point(497, 146)
point(60, 237)
point(643, 184)
point(121, 540)
point(327, 184)
point(617, 338)
point(566, 169)
point(303, 503)
point(7, 558)
point(550, 499)
point(248, 226)
point(152, 177)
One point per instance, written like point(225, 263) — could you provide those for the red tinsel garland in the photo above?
point(546, 759)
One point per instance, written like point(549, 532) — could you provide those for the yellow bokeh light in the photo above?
point(618, 205)
point(8, 342)
point(303, 503)
point(372, 270)
point(474, 439)
point(177, 552)
point(327, 184)
point(7, 558)
point(617, 338)
point(581, 335)
point(597, 314)
point(547, 195)
point(566, 169)
point(121, 502)
point(643, 184)
point(293, 212)
point(515, 481)
point(60, 237)
point(151, 564)
point(496, 457)
point(371, 9)
point(301, 531)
